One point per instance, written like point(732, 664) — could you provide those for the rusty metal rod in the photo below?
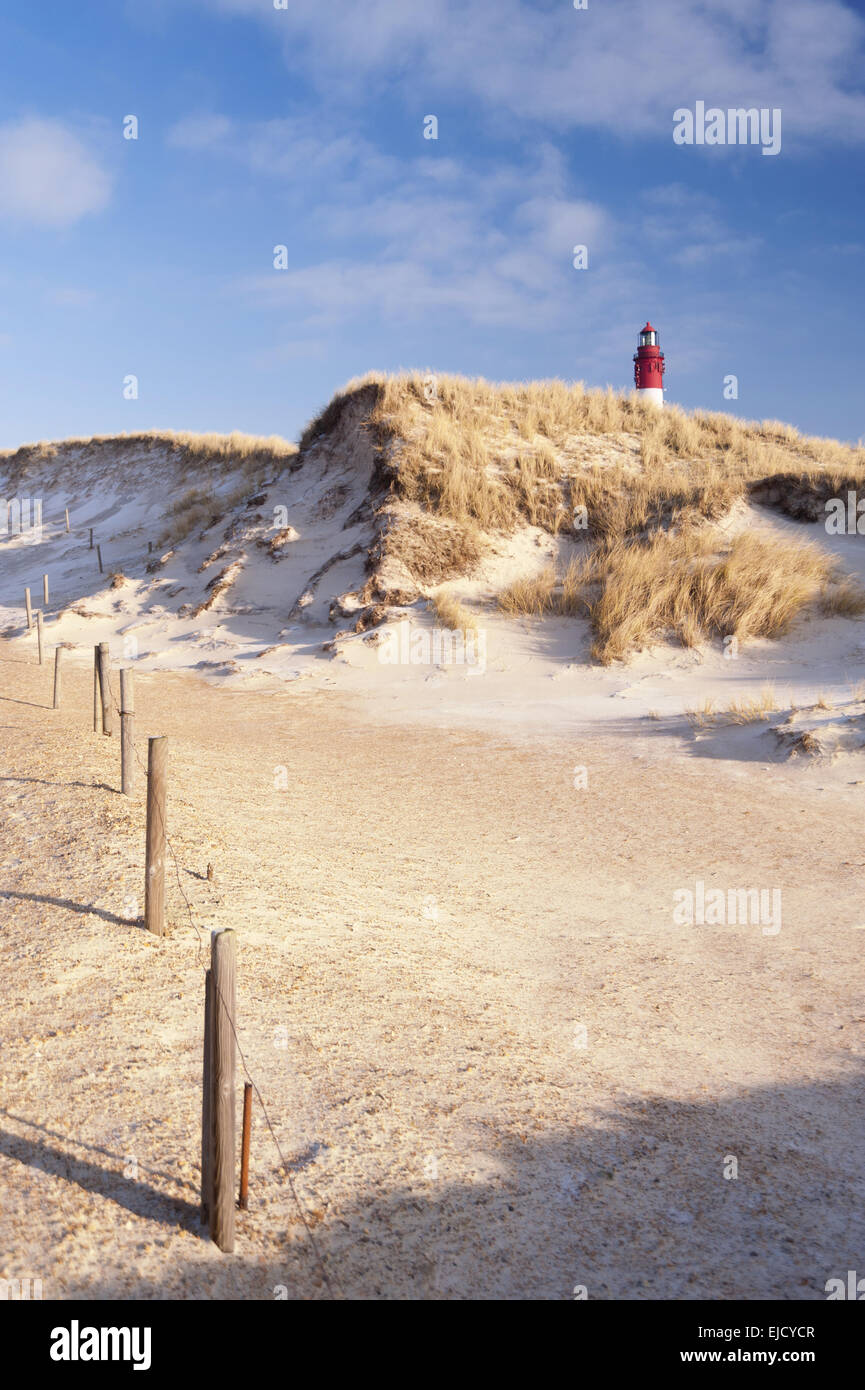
point(244, 1146)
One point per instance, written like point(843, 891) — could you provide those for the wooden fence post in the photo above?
point(91, 537)
point(154, 865)
point(39, 633)
point(105, 689)
point(223, 967)
point(207, 1102)
point(127, 744)
point(58, 652)
point(28, 608)
point(67, 519)
point(45, 589)
point(99, 558)
point(97, 704)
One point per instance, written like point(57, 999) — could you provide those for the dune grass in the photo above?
point(453, 615)
point(679, 584)
point(503, 454)
point(193, 456)
point(686, 584)
point(744, 709)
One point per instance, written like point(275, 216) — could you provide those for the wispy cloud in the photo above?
point(282, 147)
point(427, 237)
point(623, 67)
point(689, 228)
point(48, 176)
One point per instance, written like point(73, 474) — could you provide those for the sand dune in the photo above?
point(498, 1060)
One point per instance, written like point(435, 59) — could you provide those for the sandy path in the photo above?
point(427, 919)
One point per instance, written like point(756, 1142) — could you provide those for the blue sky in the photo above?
point(304, 126)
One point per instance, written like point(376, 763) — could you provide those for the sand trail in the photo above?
point(496, 1066)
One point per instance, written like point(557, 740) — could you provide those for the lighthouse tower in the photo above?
point(649, 367)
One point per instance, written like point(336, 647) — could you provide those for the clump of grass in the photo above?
point(531, 597)
point(678, 583)
point(619, 504)
point(453, 615)
point(434, 549)
point(753, 708)
point(844, 598)
point(449, 472)
point(545, 594)
point(748, 709)
point(187, 514)
point(703, 714)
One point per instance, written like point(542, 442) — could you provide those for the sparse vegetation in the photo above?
point(187, 514)
point(193, 456)
point(453, 615)
point(748, 709)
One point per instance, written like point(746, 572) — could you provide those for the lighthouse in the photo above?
point(649, 367)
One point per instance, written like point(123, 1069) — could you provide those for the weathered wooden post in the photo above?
point(99, 558)
point(105, 689)
point(58, 652)
point(127, 744)
point(91, 537)
point(154, 864)
point(39, 632)
point(97, 703)
point(67, 519)
point(45, 589)
point(223, 968)
point(28, 609)
point(207, 1102)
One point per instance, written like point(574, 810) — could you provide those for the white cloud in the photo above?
point(415, 236)
point(475, 253)
point(282, 148)
point(47, 175)
point(623, 66)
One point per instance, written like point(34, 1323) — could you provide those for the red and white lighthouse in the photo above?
point(649, 367)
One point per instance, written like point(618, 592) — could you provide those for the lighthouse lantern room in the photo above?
point(649, 367)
